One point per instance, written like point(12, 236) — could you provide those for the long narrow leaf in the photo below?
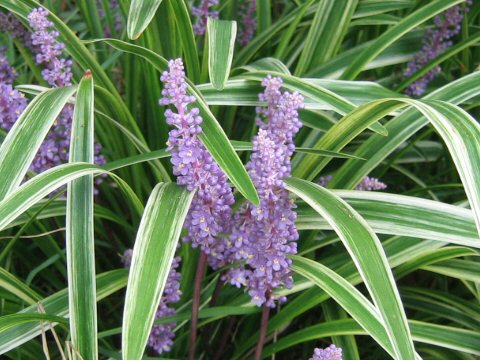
point(152, 257)
point(57, 305)
point(347, 296)
point(369, 257)
point(139, 16)
point(80, 237)
point(24, 139)
point(221, 42)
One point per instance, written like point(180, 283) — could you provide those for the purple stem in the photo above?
point(263, 328)
point(202, 262)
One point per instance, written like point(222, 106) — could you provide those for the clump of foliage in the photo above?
point(239, 179)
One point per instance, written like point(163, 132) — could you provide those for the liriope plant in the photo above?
point(323, 159)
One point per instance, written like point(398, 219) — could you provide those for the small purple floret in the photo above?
point(329, 353)
point(367, 183)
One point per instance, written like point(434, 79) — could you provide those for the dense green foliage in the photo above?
point(390, 274)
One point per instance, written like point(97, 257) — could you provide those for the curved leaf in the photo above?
point(369, 257)
point(152, 257)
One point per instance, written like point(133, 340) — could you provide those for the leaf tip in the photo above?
point(88, 74)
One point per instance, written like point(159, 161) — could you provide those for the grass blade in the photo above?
point(369, 257)
point(221, 43)
point(383, 41)
point(153, 254)
point(57, 305)
point(347, 296)
point(40, 186)
point(403, 216)
point(139, 16)
point(24, 139)
point(80, 233)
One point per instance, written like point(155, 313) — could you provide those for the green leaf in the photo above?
point(12, 284)
point(187, 39)
point(404, 216)
point(40, 186)
point(376, 148)
point(461, 134)
point(56, 305)
point(80, 229)
point(139, 16)
point(341, 134)
point(221, 42)
point(213, 136)
point(368, 255)
point(152, 257)
point(447, 337)
point(345, 294)
point(391, 35)
point(24, 139)
point(325, 35)
point(459, 269)
point(11, 320)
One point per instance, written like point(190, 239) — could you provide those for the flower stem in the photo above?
point(202, 262)
point(263, 330)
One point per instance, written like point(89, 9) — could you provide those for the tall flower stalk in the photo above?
point(57, 72)
point(435, 42)
point(264, 236)
point(210, 212)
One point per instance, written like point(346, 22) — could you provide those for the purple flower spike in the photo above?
point(370, 184)
point(329, 353)
point(203, 12)
point(12, 104)
point(263, 236)
point(10, 24)
point(57, 71)
point(161, 336)
point(7, 73)
point(210, 212)
point(435, 42)
point(367, 183)
point(249, 22)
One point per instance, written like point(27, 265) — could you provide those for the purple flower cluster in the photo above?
point(249, 22)
point(12, 102)
point(263, 236)
point(435, 41)
point(329, 353)
point(117, 19)
point(57, 72)
point(11, 25)
point(7, 73)
point(162, 335)
point(202, 12)
point(210, 212)
point(367, 183)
